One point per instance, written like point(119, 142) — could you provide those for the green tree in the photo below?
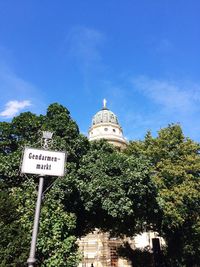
point(13, 242)
point(137, 257)
point(102, 188)
point(154, 185)
point(175, 164)
point(116, 190)
point(57, 235)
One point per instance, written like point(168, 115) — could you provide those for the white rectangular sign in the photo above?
point(43, 162)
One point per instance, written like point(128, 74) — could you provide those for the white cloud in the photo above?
point(83, 46)
point(143, 103)
point(13, 107)
point(13, 86)
point(17, 88)
point(180, 97)
point(84, 43)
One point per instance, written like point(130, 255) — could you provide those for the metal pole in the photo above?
point(31, 260)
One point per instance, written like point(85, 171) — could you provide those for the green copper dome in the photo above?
point(104, 116)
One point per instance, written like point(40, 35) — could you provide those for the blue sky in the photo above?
point(142, 56)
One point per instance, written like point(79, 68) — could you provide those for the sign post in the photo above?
point(31, 260)
point(41, 162)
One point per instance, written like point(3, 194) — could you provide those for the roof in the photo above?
point(104, 116)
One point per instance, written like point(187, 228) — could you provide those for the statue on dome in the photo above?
point(104, 103)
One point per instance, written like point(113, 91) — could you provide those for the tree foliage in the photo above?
point(102, 188)
point(137, 257)
point(56, 239)
point(154, 185)
point(118, 188)
point(175, 163)
point(13, 242)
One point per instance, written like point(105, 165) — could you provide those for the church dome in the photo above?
point(104, 116)
point(105, 125)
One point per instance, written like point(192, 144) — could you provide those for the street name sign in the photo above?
point(43, 162)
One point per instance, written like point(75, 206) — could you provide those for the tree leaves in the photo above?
point(175, 163)
point(56, 239)
point(153, 185)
